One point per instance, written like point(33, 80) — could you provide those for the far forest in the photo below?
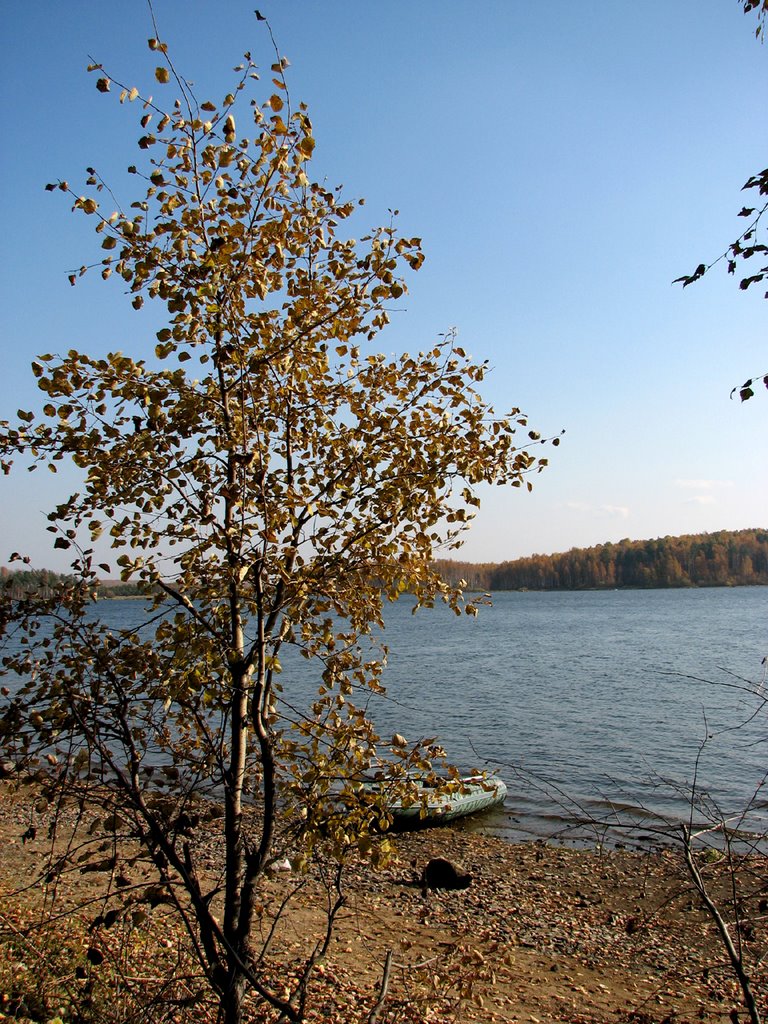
point(728, 558)
point(44, 583)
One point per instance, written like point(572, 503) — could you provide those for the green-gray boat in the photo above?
point(475, 794)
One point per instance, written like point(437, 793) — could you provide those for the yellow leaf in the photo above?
point(162, 75)
point(306, 146)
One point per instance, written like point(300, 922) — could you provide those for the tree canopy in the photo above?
point(271, 479)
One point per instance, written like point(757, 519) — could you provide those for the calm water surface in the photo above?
point(590, 704)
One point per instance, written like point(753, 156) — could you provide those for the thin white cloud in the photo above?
point(701, 499)
point(615, 511)
point(703, 485)
point(601, 511)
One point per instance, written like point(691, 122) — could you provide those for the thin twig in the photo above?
point(373, 1016)
point(725, 935)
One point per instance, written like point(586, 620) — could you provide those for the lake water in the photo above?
point(591, 705)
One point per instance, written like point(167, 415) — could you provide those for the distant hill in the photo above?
point(728, 558)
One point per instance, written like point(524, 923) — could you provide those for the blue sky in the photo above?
point(563, 163)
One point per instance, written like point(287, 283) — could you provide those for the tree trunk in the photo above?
point(232, 999)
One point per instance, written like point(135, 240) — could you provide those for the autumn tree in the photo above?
point(271, 480)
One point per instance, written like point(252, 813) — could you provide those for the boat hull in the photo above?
point(475, 797)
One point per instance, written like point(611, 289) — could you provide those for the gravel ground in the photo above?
point(543, 933)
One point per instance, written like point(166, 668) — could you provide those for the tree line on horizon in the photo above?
point(21, 583)
point(723, 559)
point(728, 558)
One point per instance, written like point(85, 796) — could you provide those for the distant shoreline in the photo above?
point(596, 590)
point(729, 558)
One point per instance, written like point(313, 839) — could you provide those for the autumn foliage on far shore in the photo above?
point(726, 558)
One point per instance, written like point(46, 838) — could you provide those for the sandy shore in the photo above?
point(543, 933)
